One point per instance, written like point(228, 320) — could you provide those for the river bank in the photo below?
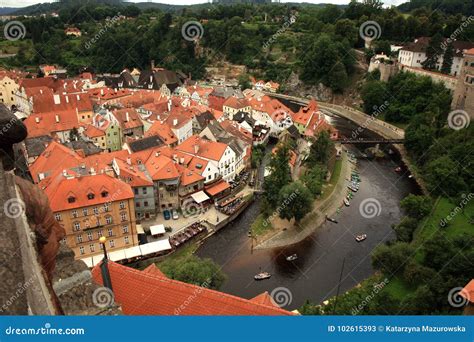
point(328, 206)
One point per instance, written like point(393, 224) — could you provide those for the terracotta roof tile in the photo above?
point(147, 293)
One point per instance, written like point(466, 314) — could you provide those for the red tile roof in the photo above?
point(470, 52)
point(132, 175)
point(93, 132)
point(149, 293)
point(236, 103)
point(205, 148)
point(160, 167)
point(468, 291)
point(60, 189)
point(128, 118)
point(217, 188)
point(163, 131)
point(49, 123)
point(53, 157)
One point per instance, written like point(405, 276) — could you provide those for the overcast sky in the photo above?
point(23, 3)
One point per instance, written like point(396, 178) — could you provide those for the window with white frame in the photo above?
point(122, 205)
point(108, 219)
point(81, 250)
point(76, 226)
point(110, 232)
point(112, 243)
point(123, 216)
point(126, 240)
point(125, 229)
point(79, 239)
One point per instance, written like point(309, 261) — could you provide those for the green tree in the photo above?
point(295, 201)
point(280, 175)
point(392, 259)
point(314, 179)
point(447, 59)
point(374, 94)
point(405, 229)
point(320, 150)
point(433, 52)
point(416, 206)
point(193, 270)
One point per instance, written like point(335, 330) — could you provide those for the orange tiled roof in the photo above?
point(128, 118)
point(188, 176)
point(205, 148)
point(149, 293)
point(218, 188)
point(48, 123)
point(60, 189)
point(93, 132)
point(131, 174)
point(53, 157)
point(161, 167)
point(236, 103)
point(163, 131)
point(468, 291)
point(264, 298)
point(469, 52)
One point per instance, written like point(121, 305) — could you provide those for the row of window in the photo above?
point(95, 210)
point(100, 233)
point(111, 245)
point(108, 220)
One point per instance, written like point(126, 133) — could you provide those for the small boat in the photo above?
point(346, 202)
point(262, 276)
point(292, 257)
point(331, 219)
point(398, 169)
point(360, 238)
point(410, 176)
point(249, 234)
point(353, 189)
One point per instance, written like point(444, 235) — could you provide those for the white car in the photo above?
point(175, 214)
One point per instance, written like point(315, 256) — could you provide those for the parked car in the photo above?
point(166, 214)
point(175, 214)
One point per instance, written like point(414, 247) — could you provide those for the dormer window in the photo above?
point(104, 193)
point(71, 199)
point(90, 196)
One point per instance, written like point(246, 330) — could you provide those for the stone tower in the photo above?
point(463, 97)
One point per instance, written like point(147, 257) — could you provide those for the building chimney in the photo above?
point(152, 64)
point(175, 122)
point(57, 118)
point(196, 148)
point(37, 119)
point(129, 161)
point(57, 99)
point(41, 91)
point(67, 99)
point(102, 92)
point(127, 118)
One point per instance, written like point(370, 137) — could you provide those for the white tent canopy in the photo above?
point(200, 197)
point(157, 229)
point(133, 252)
point(117, 255)
point(154, 247)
